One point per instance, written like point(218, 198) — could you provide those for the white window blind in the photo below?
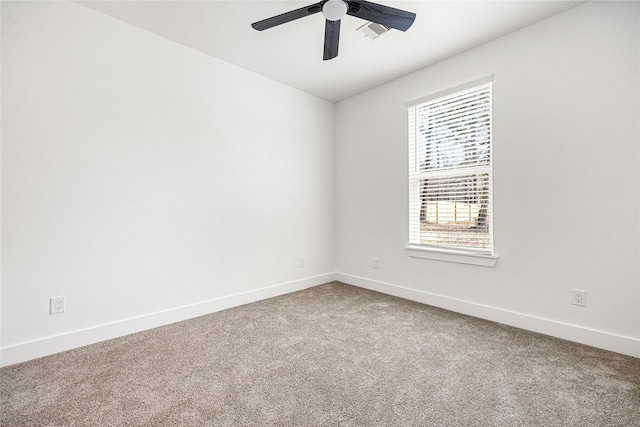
point(450, 179)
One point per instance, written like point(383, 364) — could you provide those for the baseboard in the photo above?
point(39, 348)
point(591, 337)
point(67, 341)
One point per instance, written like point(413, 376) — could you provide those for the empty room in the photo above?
point(341, 213)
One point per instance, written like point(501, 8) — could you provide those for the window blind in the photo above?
point(450, 174)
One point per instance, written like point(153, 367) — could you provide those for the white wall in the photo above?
point(566, 140)
point(148, 182)
point(133, 184)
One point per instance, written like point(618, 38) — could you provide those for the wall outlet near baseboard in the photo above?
point(57, 305)
point(301, 263)
point(579, 297)
point(376, 263)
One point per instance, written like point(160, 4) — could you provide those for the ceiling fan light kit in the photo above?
point(334, 11)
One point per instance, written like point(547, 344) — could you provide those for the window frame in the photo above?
point(443, 253)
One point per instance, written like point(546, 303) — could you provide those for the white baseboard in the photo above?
point(591, 337)
point(67, 341)
point(55, 344)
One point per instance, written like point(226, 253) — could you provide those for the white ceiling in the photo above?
point(292, 53)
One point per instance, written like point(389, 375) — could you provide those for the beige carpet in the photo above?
point(333, 355)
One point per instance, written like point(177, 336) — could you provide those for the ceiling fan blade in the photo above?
point(287, 17)
point(383, 15)
point(331, 39)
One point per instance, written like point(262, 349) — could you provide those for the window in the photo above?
point(450, 179)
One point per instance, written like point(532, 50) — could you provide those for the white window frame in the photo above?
point(488, 258)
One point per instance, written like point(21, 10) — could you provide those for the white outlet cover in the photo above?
point(579, 297)
point(57, 305)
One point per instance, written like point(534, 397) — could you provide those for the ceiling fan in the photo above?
point(334, 11)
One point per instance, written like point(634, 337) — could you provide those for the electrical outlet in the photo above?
point(579, 297)
point(56, 305)
point(301, 262)
point(376, 263)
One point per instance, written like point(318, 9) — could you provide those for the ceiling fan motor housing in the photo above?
point(334, 10)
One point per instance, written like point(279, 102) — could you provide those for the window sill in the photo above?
point(452, 256)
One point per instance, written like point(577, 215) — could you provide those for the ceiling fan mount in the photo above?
point(334, 11)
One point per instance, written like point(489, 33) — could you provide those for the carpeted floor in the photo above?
point(332, 355)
